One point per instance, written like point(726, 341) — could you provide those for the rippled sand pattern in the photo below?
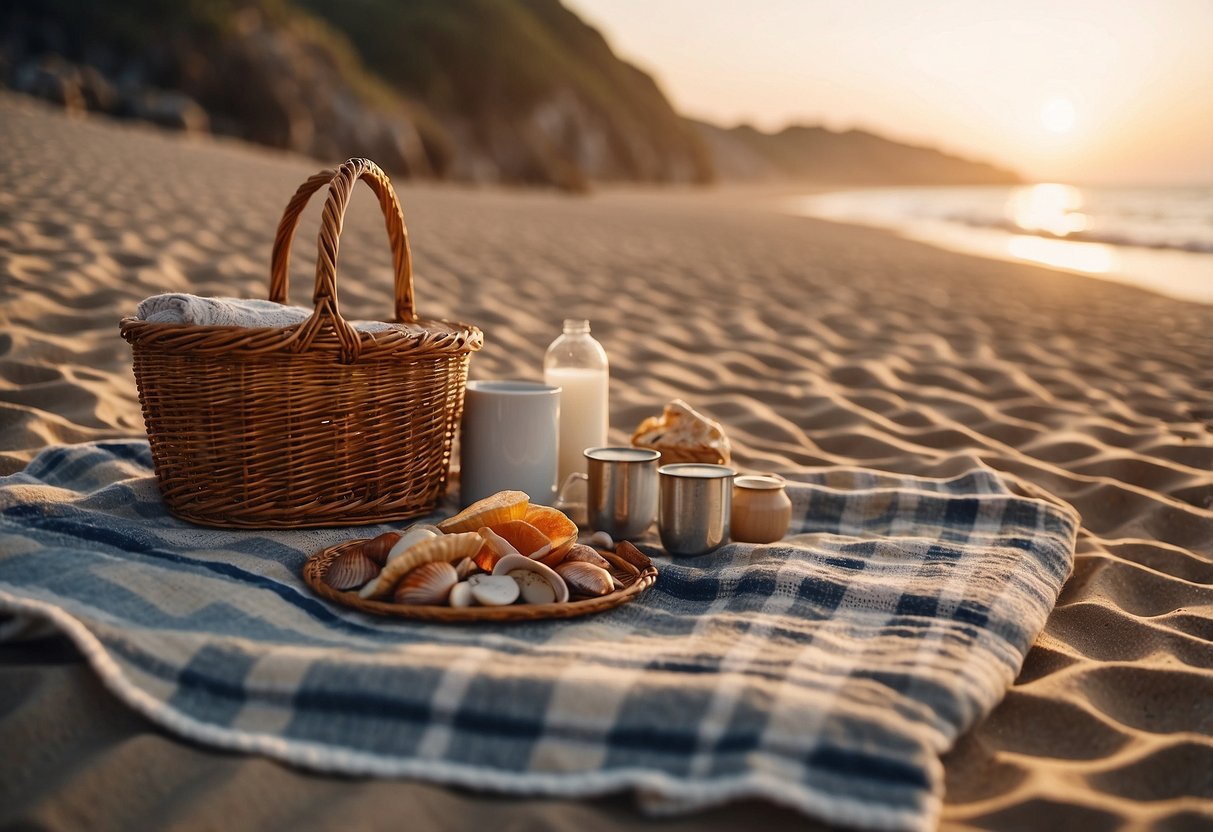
point(813, 343)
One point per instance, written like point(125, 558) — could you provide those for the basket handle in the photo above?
point(340, 183)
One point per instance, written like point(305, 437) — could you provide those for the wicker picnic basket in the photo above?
point(317, 424)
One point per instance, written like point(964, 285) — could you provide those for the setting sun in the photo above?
point(1057, 115)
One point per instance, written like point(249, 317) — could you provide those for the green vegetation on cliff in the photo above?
point(517, 91)
point(526, 84)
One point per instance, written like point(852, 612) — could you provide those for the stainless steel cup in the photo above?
point(621, 490)
point(696, 502)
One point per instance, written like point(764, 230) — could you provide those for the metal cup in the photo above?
point(696, 502)
point(621, 490)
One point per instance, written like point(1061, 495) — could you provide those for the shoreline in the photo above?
point(1179, 274)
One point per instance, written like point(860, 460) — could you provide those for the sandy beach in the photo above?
point(813, 343)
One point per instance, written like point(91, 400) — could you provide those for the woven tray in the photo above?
point(636, 578)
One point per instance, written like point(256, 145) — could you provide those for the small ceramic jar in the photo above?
point(762, 510)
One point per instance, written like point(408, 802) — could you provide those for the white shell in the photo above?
point(600, 540)
point(494, 590)
point(411, 537)
point(510, 564)
point(535, 589)
point(461, 595)
point(466, 567)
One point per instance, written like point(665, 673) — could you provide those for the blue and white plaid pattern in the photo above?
point(827, 672)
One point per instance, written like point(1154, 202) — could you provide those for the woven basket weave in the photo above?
point(310, 425)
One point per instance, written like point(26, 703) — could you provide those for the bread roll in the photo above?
point(683, 435)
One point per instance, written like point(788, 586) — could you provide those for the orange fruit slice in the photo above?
point(496, 508)
point(552, 522)
point(524, 537)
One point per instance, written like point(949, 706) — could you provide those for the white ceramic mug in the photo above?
point(509, 440)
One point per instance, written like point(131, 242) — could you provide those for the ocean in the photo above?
point(1159, 239)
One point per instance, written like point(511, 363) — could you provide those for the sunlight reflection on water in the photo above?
point(1156, 238)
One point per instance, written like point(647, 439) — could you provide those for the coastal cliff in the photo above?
point(520, 92)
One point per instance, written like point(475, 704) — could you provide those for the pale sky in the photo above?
point(1098, 91)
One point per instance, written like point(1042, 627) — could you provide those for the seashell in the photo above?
point(448, 548)
point(525, 538)
point(429, 583)
point(532, 587)
point(377, 548)
point(584, 554)
point(586, 578)
point(494, 590)
point(554, 524)
point(411, 537)
point(461, 595)
point(633, 556)
point(521, 568)
point(496, 508)
point(350, 570)
point(600, 540)
point(466, 567)
point(495, 547)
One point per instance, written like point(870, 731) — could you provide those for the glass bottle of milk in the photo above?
point(577, 364)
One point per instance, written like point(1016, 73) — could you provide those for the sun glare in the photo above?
point(1057, 115)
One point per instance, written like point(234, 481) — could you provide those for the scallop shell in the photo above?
point(429, 583)
point(586, 578)
point(411, 537)
point(494, 590)
point(448, 548)
point(350, 570)
point(496, 508)
point(511, 564)
point(377, 548)
point(585, 554)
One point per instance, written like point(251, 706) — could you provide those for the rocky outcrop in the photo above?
point(478, 90)
point(528, 91)
point(265, 82)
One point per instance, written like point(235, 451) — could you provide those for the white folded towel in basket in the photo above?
point(182, 308)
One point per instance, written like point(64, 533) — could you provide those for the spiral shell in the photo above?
point(429, 583)
point(350, 570)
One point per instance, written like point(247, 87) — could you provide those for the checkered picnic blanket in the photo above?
point(827, 672)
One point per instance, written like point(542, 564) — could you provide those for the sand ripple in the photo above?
point(815, 344)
